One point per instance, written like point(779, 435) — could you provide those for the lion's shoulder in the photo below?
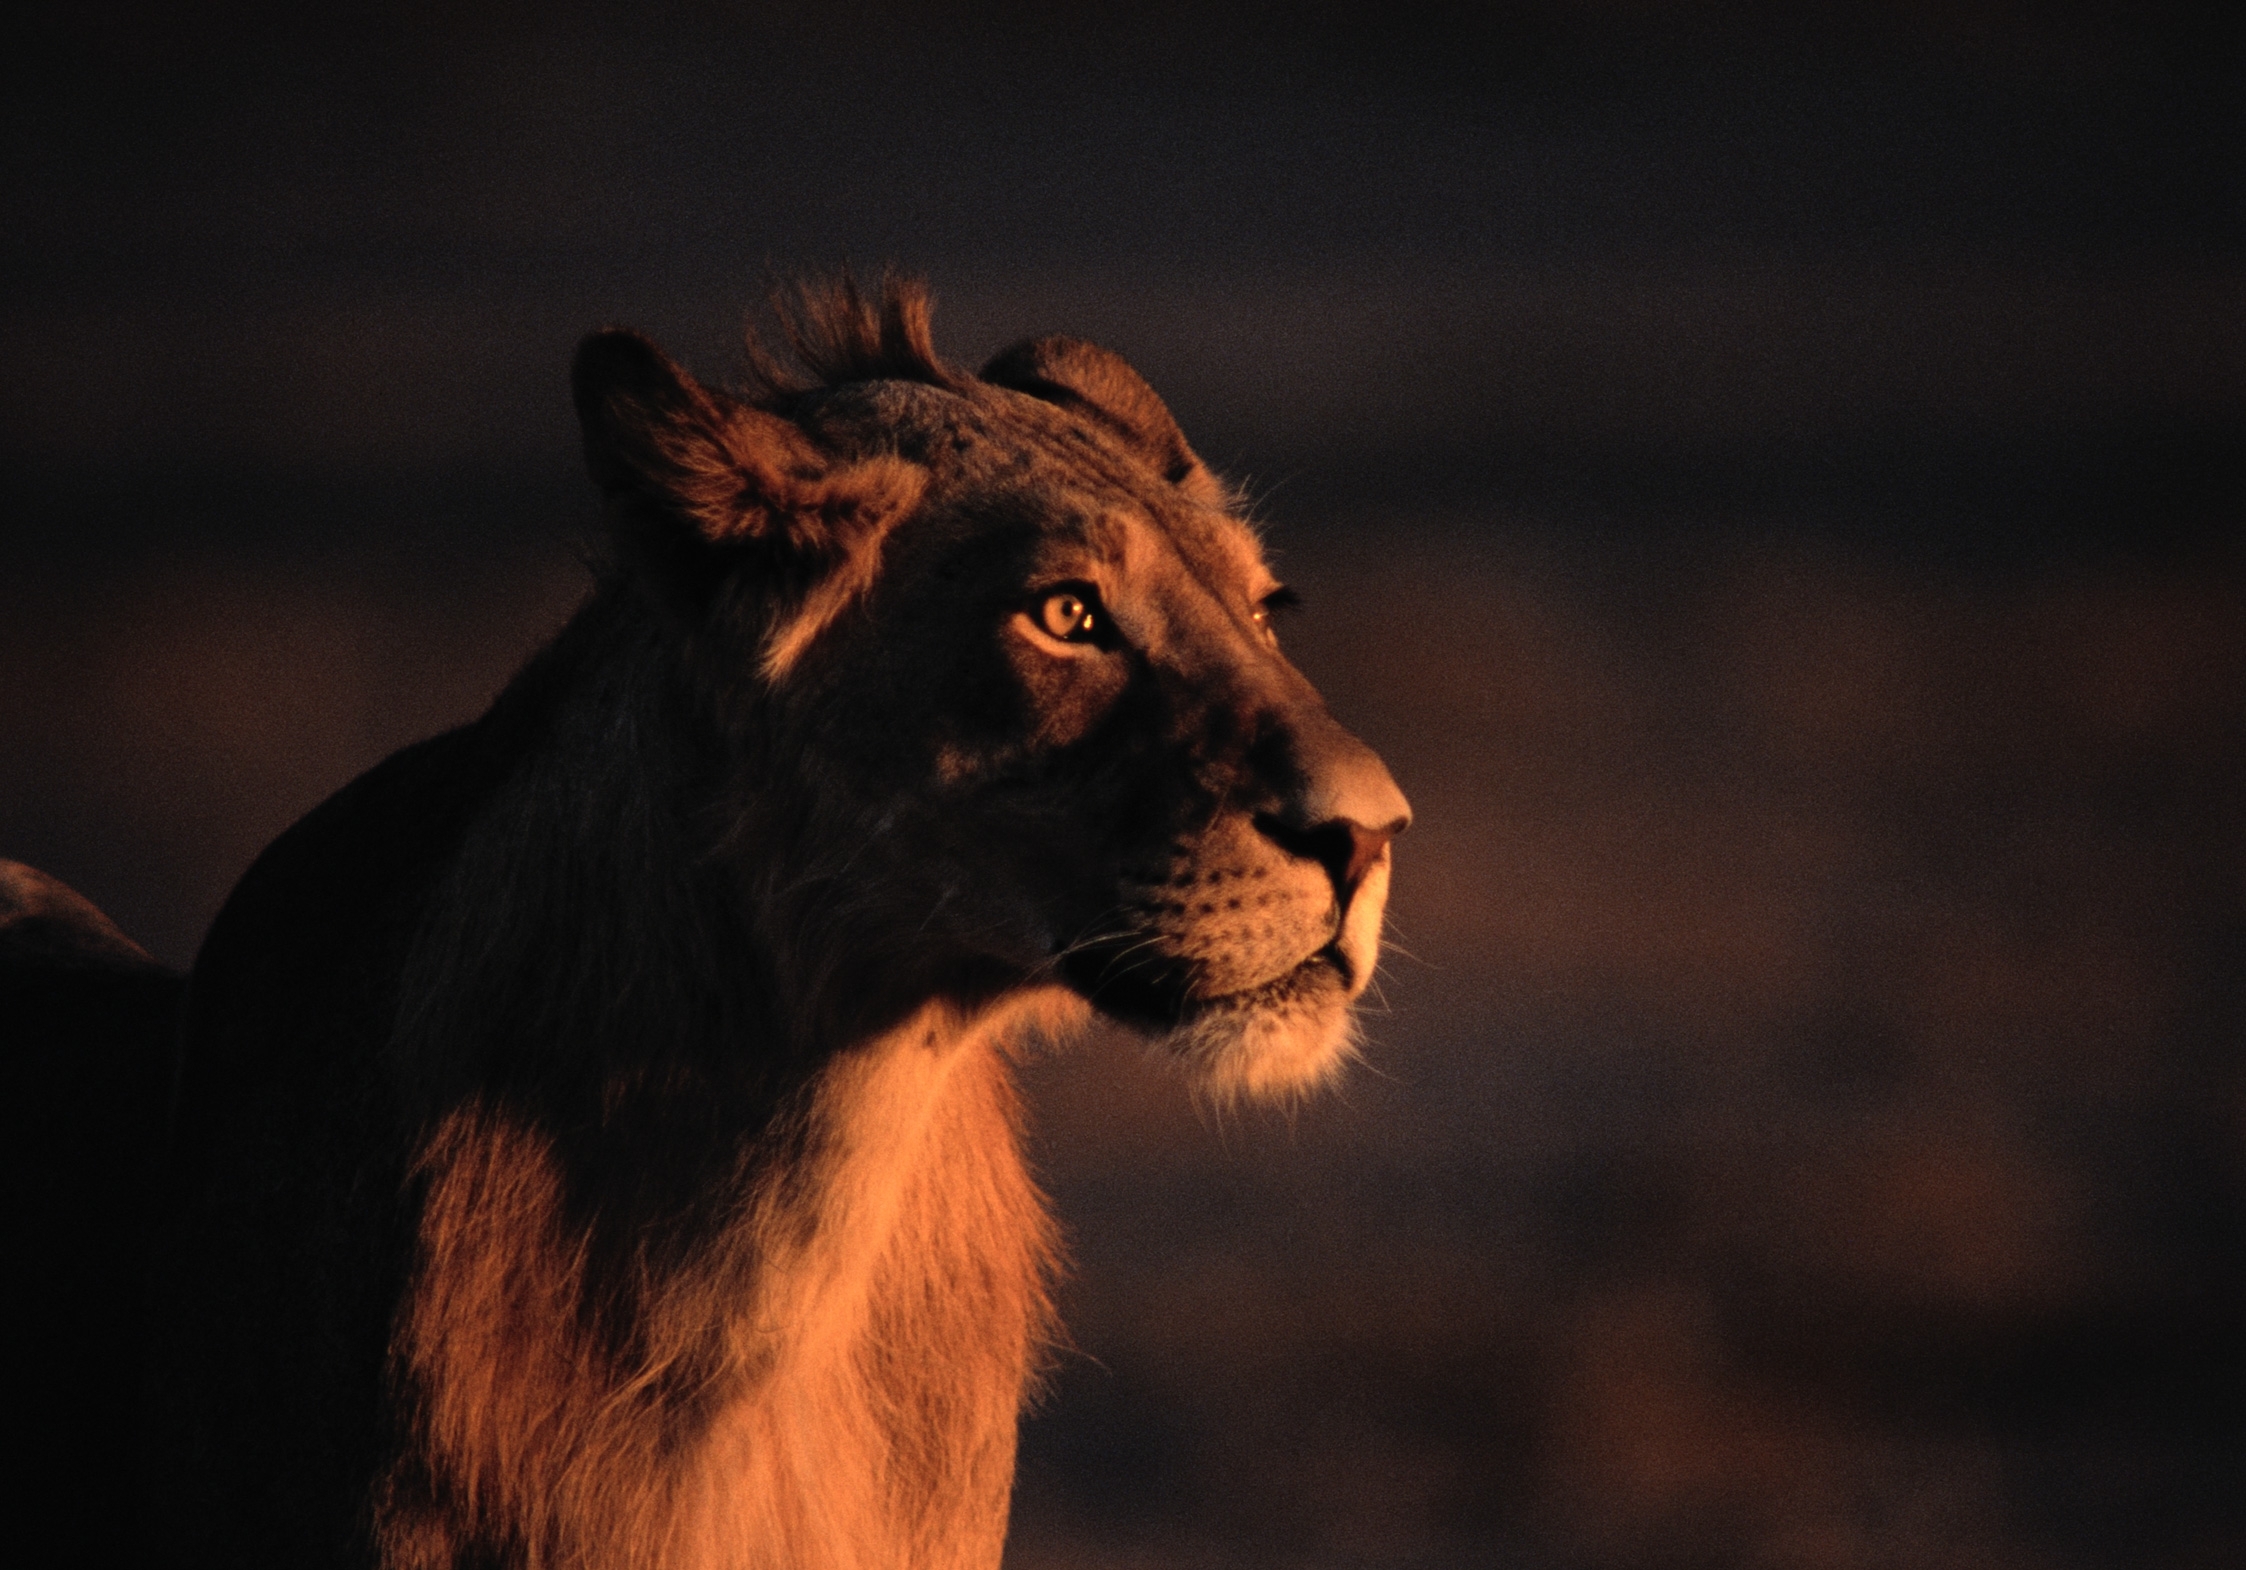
point(320, 920)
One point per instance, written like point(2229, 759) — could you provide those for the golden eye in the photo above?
point(1067, 616)
point(1279, 599)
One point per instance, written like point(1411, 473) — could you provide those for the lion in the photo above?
point(598, 1144)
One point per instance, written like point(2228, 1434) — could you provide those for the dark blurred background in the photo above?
point(1769, 479)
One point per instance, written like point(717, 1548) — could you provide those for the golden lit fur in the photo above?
point(897, 1284)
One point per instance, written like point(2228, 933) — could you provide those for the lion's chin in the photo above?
point(1276, 1042)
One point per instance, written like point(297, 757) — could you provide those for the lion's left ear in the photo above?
point(1099, 382)
point(677, 457)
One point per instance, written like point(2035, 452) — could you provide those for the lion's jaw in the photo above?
point(1293, 1033)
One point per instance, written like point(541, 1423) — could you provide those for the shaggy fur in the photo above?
point(599, 1145)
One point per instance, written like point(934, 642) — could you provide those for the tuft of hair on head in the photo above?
point(830, 332)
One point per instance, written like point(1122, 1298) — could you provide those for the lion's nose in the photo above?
point(1367, 846)
point(1346, 850)
point(1344, 807)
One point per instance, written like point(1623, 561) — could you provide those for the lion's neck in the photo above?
point(841, 1391)
point(893, 1325)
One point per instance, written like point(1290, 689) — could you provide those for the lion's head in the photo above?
point(994, 659)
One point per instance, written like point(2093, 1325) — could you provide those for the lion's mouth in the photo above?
point(1159, 996)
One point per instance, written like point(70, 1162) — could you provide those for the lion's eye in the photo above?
point(1068, 615)
point(1280, 599)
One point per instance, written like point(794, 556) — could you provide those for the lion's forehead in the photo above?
point(1142, 541)
point(1221, 549)
point(994, 450)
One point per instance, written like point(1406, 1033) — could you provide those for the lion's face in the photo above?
point(1050, 727)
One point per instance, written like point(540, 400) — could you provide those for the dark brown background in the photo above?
point(1768, 483)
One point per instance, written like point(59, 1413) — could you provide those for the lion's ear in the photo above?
point(662, 447)
point(1098, 382)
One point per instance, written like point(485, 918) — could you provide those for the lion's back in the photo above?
point(288, 1166)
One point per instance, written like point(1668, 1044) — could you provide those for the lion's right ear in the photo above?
point(1100, 383)
point(663, 448)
